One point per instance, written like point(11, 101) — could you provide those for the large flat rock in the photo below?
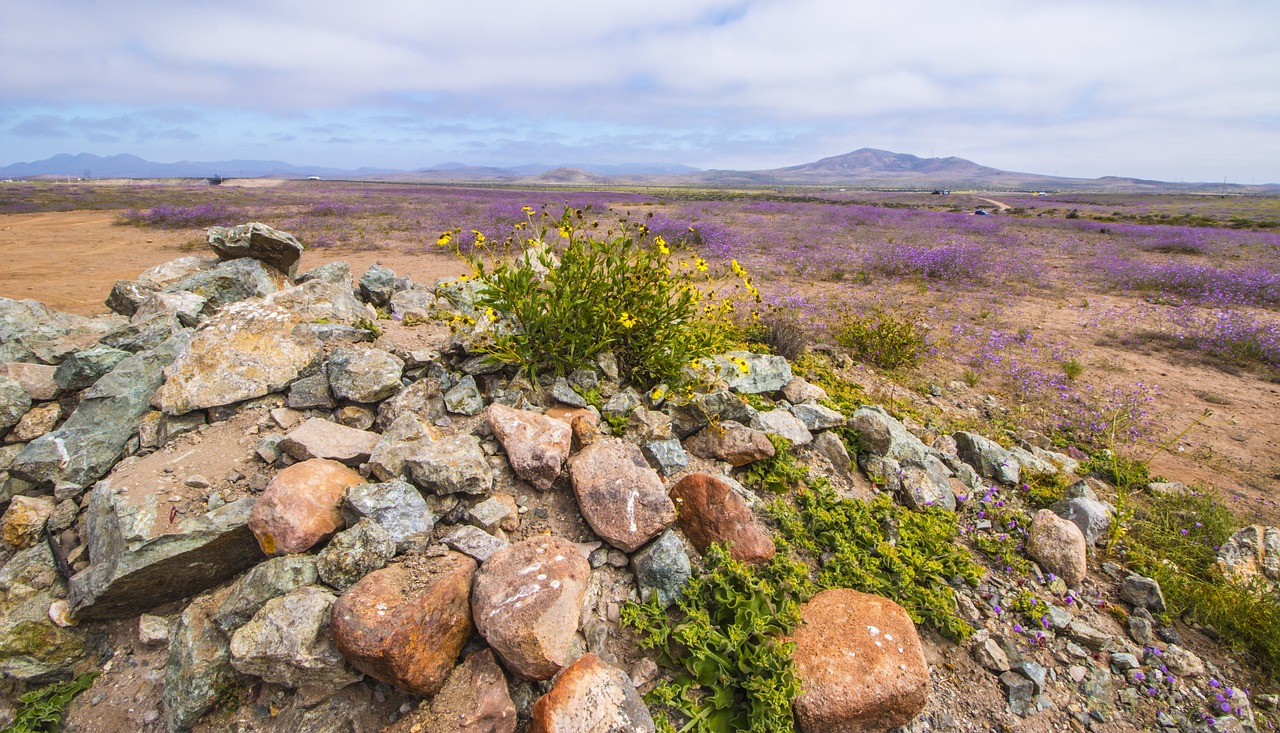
point(145, 548)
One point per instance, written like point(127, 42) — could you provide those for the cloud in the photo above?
point(502, 75)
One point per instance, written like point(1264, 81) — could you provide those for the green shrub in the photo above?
point(1174, 539)
point(778, 474)
point(1043, 490)
point(570, 293)
point(883, 339)
point(734, 671)
point(882, 548)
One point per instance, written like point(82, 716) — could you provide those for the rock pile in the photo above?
point(357, 517)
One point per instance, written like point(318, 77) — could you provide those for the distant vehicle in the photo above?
point(313, 178)
point(941, 192)
point(979, 212)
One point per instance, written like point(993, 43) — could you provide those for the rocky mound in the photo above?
point(258, 501)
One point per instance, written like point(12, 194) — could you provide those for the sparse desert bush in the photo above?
point(183, 217)
point(886, 340)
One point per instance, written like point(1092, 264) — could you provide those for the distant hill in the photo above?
point(864, 168)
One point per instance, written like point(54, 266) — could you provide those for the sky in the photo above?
point(1169, 89)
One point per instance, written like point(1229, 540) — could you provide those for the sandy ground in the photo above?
point(70, 260)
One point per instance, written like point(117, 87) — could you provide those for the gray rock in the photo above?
point(621, 404)
point(1060, 461)
point(354, 553)
point(646, 425)
point(989, 654)
point(1251, 552)
point(1032, 671)
point(817, 417)
point(231, 282)
point(926, 483)
point(126, 295)
point(880, 435)
point(464, 398)
point(171, 426)
point(1080, 490)
point(454, 464)
point(269, 579)
point(14, 402)
point(722, 405)
point(377, 284)
point(667, 456)
point(1122, 662)
point(833, 449)
point(1019, 691)
point(662, 568)
point(364, 375)
point(784, 424)
point(140, 561)
point(1029, 462)
point(185, 306)
point(417, 298)
point(1183, 662)
point(474, 542)
point(168, 273)
point(258, 241)
point(397, 507)
point(765, 373)
point(422, 399)
point(83, 368)
point(1087, 635)
point(1140, 630)
point(33, 332)
point(562, 392)
point(885, 473)
point(1091, 516)
point(310, 393)
point(320, 438)
point(32, 647)
point(288, 642)
point(199, 669)
point(1143, 593)
point(490, 513)
point(144, 335)
point(93, 438)
point(987, 458)
point(1059, 618)
point(398, 442)
point(337, 272)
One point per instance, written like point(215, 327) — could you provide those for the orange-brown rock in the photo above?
point(406, 623)
point(710, 511)
point(301, 506)
point(526, 600)
point(591, 696)
point(860, 664)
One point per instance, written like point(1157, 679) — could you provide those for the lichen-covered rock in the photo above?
point(661, 568)
point(33, 647)
point(591, 695)
point(364, 375)
point(450, 465)
point(860, 663)
point(397, 507)
point(783, 424)
point(622, 499)
point(526, 601)
point(475, 699)
point(763, 373)
point(23, 523)
point(377, 284)
point(464, 398)
point(232, 281)
point(882, 436)
point(288, 642)
point(269, 579)
point(1250, 552)
point(406, 624)
point(38, 421)
point(258, 241)
point(354, 553)
point(199, 669)
point(537, 446)
point(83, 368)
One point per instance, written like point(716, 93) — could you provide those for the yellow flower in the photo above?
point(662, 245)
point(479, 237)
point(657, 394)
point(626, 320)
point(565, 231)
point(527, 209)
point(701, 264)
point(444, 239)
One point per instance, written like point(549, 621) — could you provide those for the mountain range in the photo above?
point(864, 168)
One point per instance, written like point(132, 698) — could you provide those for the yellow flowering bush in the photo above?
point(572, 291)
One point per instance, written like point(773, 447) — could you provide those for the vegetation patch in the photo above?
point(778, 474)
point(884, 339)
point(726, 644)
point(41, 710)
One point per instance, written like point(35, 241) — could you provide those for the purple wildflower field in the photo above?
point(1006, 301)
